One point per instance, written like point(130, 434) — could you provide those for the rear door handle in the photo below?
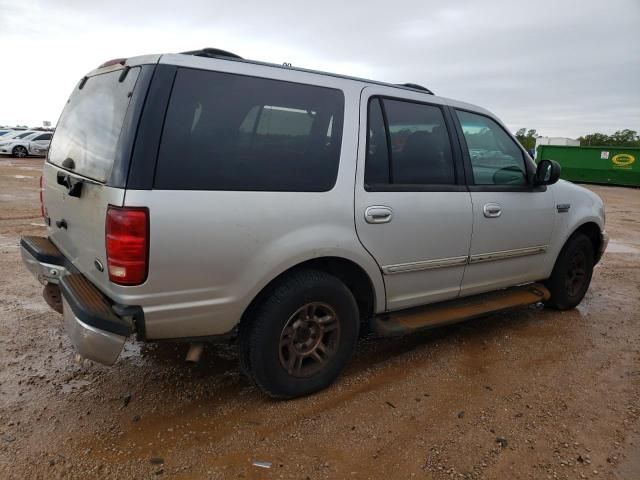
point(492, 210)
point(378, 214)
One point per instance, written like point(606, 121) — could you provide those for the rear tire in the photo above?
point(301, 336)
point(572, 273)
point(19, 151)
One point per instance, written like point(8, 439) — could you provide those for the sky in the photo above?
point(562, 67)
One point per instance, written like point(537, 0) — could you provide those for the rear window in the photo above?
point(234, 132)
point(90, 125)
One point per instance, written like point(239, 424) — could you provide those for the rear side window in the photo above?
point(91, 122)
point(234, 132)
point(408, 144)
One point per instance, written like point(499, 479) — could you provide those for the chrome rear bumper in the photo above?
point(49, 268)
point(91, 342)
point(95, 330)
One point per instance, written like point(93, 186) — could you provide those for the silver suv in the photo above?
point(204, 197)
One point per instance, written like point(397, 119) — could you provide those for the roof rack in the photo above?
point(225, 55)
point(415, 86)
point(212, 53)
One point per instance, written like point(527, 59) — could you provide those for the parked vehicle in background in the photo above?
point(27, 143)
point(286, 209)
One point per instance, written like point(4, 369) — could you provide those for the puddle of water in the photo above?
point(616, 247)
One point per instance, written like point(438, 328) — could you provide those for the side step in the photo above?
point(452, 311)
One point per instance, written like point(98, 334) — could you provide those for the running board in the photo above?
point(452, 311)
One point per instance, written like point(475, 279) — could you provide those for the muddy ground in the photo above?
point(526, 394)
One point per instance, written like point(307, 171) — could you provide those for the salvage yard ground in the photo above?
point(531, 393)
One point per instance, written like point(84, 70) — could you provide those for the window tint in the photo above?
point(496, 159)
point(376, 170)
point(233, 132)
point(46, 136)
point(91, 122)
point(420, 146)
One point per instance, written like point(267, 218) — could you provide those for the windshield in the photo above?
point(90, 125)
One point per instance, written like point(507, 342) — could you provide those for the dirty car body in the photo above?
point(183, 193)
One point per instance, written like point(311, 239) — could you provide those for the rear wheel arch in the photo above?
point(347, 271)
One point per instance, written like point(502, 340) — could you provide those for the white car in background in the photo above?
point(26, 143)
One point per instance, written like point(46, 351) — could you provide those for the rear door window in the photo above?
point(235, 132)
point(91, 122)
point(411, 148)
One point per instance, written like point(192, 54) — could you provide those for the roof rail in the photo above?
point(212, 53)
point(415, 86)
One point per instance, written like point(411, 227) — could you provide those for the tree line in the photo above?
point(621, 138)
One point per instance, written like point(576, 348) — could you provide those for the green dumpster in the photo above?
point(613, 165)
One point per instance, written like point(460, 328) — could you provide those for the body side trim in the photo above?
point(424, 265)
point(504, 254)
point(463, 260)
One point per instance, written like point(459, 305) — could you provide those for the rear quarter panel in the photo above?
point(212, 252)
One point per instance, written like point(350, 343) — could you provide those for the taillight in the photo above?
point(127, 242)
point(42, 211)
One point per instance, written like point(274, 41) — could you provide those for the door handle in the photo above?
point(378, 214)
point(492, 210)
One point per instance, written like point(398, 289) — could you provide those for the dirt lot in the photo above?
point(526, 394)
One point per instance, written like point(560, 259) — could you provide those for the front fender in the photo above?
point(584, 207)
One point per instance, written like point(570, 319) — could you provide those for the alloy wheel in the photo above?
point(309, 339)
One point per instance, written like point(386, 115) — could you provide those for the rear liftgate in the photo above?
point(407, 321)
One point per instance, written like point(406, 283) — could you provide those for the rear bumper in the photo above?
point(43, 259)
point(95, 330)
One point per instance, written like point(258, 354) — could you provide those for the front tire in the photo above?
point(572, 273)
point(19, 151)
point(302, 335)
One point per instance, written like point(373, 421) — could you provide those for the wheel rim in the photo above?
point(576, 273)
point(309, 339)
point(20, 152)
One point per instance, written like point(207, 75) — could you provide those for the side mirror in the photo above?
point(547, 173)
